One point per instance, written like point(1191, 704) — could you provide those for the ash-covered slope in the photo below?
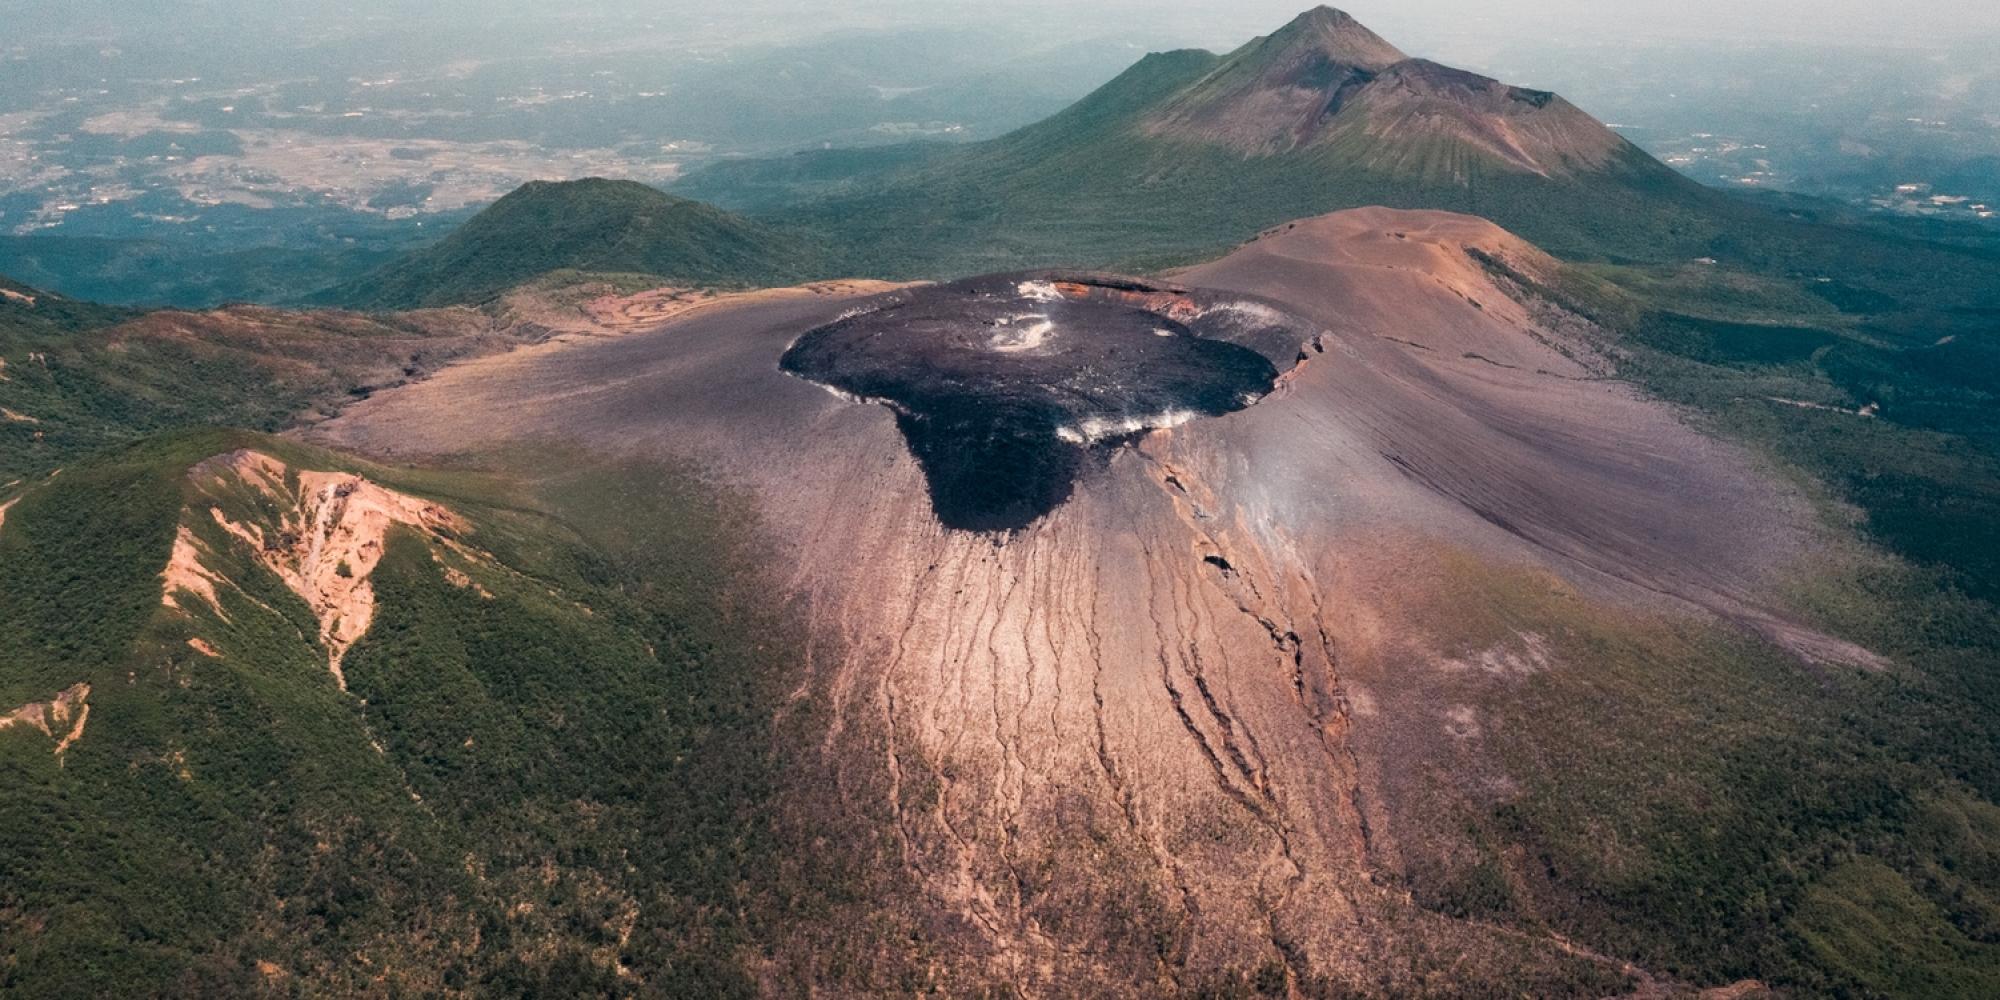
point(1418, 109)
point(1243, 707)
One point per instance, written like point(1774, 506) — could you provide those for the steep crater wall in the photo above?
point(1006, 386)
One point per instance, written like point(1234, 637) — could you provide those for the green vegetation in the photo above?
point(145, 272)
point(559, 778)
point(1866, 922)
point(77, 383)
point(78, 377)
point(1708, 807)
point(586, 225)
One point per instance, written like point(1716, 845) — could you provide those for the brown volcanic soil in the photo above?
point(1141, 739)
point(1274, 93)
point(1325, 79)
point(1458, 400)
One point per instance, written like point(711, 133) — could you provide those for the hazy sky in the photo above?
point(1440, 26)
point(1620, 21)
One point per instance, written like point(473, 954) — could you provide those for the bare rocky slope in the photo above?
point(1197, 721)
point(1326, 79)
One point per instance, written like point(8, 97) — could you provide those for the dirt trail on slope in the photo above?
point(626, 313)
point(581, 310)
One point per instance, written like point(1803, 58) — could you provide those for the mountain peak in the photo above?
point(1332, 34)
point(1324, 80)
point(1272, 94)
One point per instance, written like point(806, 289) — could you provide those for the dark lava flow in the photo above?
point(1004, 386)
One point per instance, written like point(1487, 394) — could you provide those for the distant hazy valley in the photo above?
point(132, 173)
point(135, 175)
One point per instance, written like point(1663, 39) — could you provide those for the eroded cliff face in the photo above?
point(321, 534)
point(1159, 736)
point(61, 718)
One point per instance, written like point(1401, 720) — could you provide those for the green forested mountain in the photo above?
point(586, 225)
point(1189, 153)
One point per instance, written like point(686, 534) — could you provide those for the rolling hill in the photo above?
point(587, 225)
point(76, 377)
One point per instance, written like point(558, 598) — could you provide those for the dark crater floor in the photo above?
point(1006, 387)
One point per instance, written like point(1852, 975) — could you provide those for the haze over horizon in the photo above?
point(1926, 24)
point(354, 128)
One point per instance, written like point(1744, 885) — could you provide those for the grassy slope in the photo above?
point(1696, 802)
point(82, 377)
point(1700, 804)
point(518, 795)
point(586, 225)
point(620, 757)
point(138, 863)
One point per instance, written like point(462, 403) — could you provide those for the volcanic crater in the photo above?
point(1006, 386)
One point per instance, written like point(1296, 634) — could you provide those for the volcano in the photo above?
point(1162, 584)
point(1191, 663)
point(1324, 79)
